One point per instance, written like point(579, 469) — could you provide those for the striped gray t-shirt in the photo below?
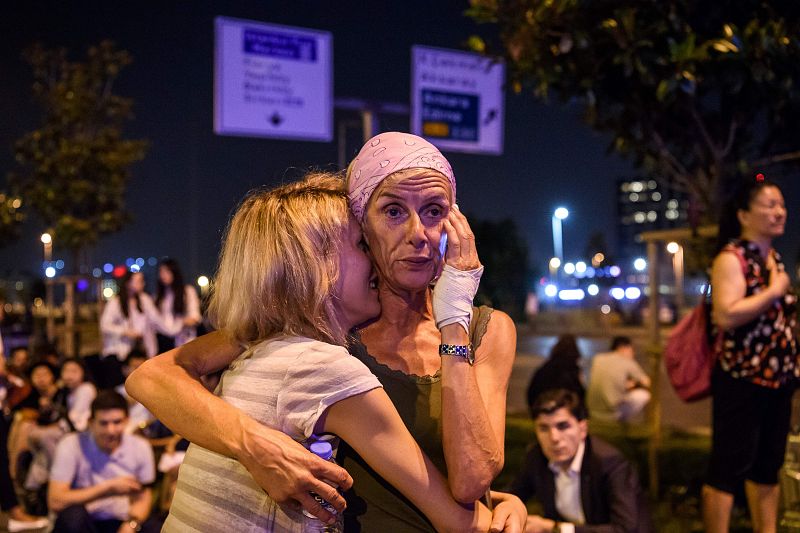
point(285, 383)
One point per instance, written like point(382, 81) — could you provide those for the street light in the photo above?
point(558, 241)
point(50, 272)
point(203, 282)
point(677, 268)
point(554, 265)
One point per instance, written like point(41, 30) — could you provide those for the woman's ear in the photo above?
point(742, 217)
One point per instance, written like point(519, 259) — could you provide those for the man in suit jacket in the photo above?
point(583, 483)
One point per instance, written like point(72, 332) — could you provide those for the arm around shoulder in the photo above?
point(169, 386)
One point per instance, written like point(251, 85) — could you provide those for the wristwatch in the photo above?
point(134, 524)
point(458, 350)
point(556, 528)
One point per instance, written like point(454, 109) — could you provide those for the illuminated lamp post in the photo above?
point(559, 214)
point(677, 268)
point(49, 271)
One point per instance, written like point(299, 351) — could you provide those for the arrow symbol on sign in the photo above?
point(490, 116)
point(276, 119)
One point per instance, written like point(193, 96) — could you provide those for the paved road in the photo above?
point(533, 348)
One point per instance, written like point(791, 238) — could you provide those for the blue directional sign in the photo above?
point(450, 115)
point(457, 100)
point(272, 81)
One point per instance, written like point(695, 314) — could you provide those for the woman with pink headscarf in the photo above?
point(447, 379)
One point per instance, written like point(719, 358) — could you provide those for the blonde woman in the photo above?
point(293, 279)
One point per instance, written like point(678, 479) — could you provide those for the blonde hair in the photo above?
point(280, 261)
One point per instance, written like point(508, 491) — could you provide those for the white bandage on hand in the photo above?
point(453, 295)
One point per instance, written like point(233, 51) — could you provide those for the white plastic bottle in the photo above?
point(312, 524)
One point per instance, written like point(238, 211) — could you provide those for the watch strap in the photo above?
point(464, 351)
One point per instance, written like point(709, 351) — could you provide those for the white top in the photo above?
point(170, 324)
point(285, 383)
point(568, 491)
point(79, 405)
point(113, 325)
point(608, 384)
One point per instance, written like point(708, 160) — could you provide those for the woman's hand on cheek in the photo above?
point(461, 251)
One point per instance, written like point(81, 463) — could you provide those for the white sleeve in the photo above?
point(80, 411)
point(319, 379)
point(112, 320)
point(567, 527)
point(163, 322)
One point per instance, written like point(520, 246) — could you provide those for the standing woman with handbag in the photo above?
point(757, 367)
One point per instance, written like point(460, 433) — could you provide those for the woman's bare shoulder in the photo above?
point(501, 335)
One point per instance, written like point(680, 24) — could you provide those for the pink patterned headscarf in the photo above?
point(385, 154)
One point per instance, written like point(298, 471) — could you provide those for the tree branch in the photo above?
point(704, 132)
point(667, 155)
point(731, 136)
point(775, 159)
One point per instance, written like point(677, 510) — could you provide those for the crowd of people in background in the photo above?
point(45, 398)
point(76, 446)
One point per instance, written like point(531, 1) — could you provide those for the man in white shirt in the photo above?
point(618, 387)
point(584, 484)
point(99, 481)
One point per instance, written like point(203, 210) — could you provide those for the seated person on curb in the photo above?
point(67, 410)
point(99, 479)
point(583, 484)
point(618, 387)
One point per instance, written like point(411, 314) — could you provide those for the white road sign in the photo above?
point(457, 100)
point(272, 81)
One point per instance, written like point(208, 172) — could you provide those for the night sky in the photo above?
point(183, 192)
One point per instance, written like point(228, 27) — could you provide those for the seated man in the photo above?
point(618, 387)
point(99, 478)
point(583, 484)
